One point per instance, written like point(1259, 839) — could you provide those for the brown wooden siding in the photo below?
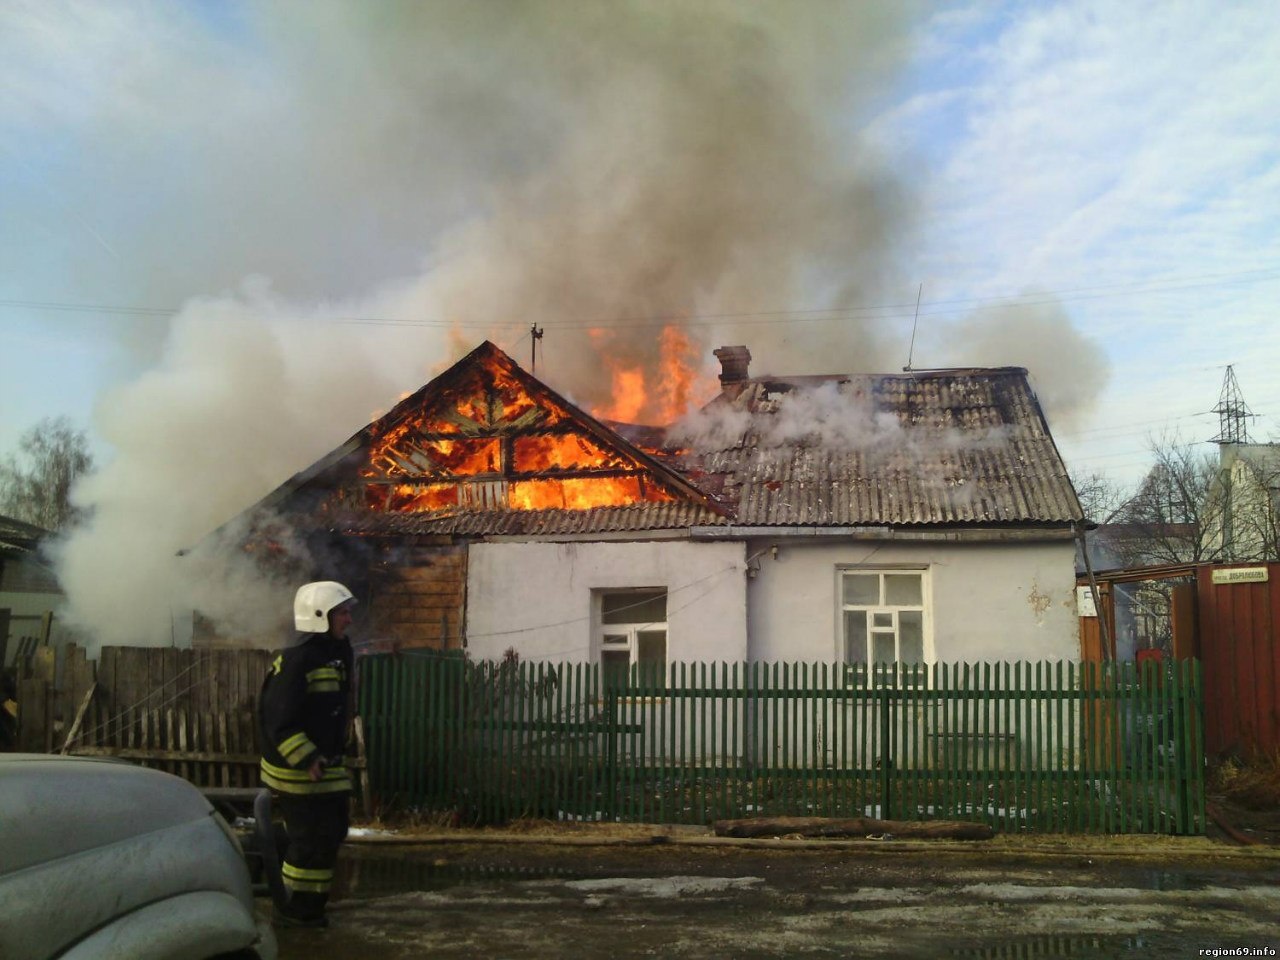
point(419, 602)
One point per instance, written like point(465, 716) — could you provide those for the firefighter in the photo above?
point(303, 714)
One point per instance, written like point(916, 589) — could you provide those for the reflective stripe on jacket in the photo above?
point(303, 713)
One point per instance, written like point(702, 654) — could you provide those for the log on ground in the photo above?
point(852, 827)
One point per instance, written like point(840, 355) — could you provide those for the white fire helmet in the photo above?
point(313, 601)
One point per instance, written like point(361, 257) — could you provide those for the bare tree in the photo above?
point(1171, 517)
point(1100, 496)
point(35, 483)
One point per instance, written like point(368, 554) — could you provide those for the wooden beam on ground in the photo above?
point(75, 724)
point(366, 800)
point(852, 827)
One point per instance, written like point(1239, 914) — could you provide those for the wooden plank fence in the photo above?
point(1114, 748)
point(187, 712)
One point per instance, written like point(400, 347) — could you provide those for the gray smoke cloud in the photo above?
point(411, 177)
point(1068, 369)
point(467, 168)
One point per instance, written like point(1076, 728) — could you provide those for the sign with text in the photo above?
point(1241, 575)
point(1084, 602)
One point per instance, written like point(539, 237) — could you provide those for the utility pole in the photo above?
point(535, 334)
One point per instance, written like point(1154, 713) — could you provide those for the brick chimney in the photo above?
point(733, 366)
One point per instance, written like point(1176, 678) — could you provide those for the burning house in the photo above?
point(919, 517)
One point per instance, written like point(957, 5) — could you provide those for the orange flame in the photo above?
point(628, 392)
point(489, 444)
point(659, 395)
point(678, 372)
point(567, 452)
point(583, 494)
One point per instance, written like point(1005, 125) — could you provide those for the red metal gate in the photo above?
point(1238, 647)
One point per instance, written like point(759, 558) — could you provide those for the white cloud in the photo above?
point(1081, 147)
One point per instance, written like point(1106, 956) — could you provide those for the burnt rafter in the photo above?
point(562, 473)
point(549, 430)
point(514, 455)
point(487, 422)
point(495, 422)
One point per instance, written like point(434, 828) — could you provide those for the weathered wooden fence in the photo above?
point(1023, 747)
point(188, 712)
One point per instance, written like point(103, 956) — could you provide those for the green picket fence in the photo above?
point(1103, 748)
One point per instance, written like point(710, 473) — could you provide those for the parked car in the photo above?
point(102, 859)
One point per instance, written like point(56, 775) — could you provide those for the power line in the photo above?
point(565, 623)
point(888, 311)
point(1126, 428)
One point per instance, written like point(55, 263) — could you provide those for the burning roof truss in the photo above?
point(486, 436)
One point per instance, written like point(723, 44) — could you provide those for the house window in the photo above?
point(633, 632)
point(883, 616)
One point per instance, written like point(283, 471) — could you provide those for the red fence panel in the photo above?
point(1241, 656)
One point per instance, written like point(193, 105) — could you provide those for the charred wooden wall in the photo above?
point(418, 602)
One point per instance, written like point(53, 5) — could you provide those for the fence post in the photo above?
point(35, 729)
point(611, 748)
point(886, 745)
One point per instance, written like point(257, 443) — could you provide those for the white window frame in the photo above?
point(928, 655)
point(630, 630)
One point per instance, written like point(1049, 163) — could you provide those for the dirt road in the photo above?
point(892, 899)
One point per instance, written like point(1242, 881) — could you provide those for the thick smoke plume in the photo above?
point(1068, 369)
point(460, 170)
point(574, 165)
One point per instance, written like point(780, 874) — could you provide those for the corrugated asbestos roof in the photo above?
point(954, 447)
point(19, 537)
point(938, 447)
point(639, 517)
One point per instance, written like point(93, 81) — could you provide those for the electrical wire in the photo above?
point(119, 715)
point(886, 311)
point(565, 623)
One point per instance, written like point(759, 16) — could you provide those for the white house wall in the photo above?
point(986, 601)
point(537, 597)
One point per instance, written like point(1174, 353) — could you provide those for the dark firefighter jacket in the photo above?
point(303, 715)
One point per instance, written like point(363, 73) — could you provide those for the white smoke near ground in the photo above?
point(244, 395)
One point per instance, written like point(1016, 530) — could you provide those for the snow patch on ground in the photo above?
point(369, 832)
point(663, 887)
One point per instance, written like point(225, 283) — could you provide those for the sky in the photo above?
point(231, 233)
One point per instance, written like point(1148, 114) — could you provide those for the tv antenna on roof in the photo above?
point(1233, 413)
point(914, 323)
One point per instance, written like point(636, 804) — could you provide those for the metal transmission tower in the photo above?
point(1233, 413)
